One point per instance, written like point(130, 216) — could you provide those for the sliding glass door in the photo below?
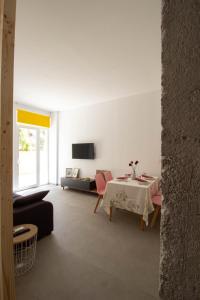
point(27, 157)
point(43, 156)
point(32, 157)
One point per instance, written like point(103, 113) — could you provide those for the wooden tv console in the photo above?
point(81, 184)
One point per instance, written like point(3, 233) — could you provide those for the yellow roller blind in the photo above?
point(31, 118)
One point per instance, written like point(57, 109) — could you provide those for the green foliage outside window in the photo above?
point(23, 144)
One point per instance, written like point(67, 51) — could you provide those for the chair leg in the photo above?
point(110, 217)
point(142, 223)
point(97, 204)
point(155, 215)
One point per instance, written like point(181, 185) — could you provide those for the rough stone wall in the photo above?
point(180, 222)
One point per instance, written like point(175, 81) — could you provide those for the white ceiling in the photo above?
point(75, 52)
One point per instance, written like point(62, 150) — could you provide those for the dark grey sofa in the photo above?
point(32, 209)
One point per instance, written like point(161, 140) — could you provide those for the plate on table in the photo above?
point(141, 180)
point(122, 178)
point(148, 177)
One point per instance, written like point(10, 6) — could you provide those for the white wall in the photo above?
point(122, 130)
point(53, 149)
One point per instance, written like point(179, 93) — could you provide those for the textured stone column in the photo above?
point(180, 223)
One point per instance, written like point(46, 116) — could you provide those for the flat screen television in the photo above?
point(83, 151)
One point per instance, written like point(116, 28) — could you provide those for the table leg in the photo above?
point(142, 223)
point(110, 218)
point(155, 215)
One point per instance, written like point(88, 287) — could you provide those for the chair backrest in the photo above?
point(157, 199)
point(108, 176)
point(102, 172)
point(100, 183)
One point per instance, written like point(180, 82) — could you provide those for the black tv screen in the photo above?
point(83, 151)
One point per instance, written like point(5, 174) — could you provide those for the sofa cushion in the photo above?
point(19, 200)
point(16, 196)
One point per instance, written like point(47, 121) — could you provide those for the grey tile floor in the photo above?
point(88, 257)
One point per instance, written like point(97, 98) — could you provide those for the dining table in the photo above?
point(134, 195)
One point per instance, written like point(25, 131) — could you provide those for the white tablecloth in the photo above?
point(131, 195)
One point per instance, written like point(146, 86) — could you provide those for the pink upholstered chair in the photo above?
point(157, 201)
point(101, 185)
point(108, 176)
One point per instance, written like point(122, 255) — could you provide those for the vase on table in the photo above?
point(133, 166)
point(133, 176)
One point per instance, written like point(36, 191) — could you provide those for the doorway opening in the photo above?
point(32, 157)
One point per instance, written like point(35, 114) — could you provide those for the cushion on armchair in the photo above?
point(19, 200)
